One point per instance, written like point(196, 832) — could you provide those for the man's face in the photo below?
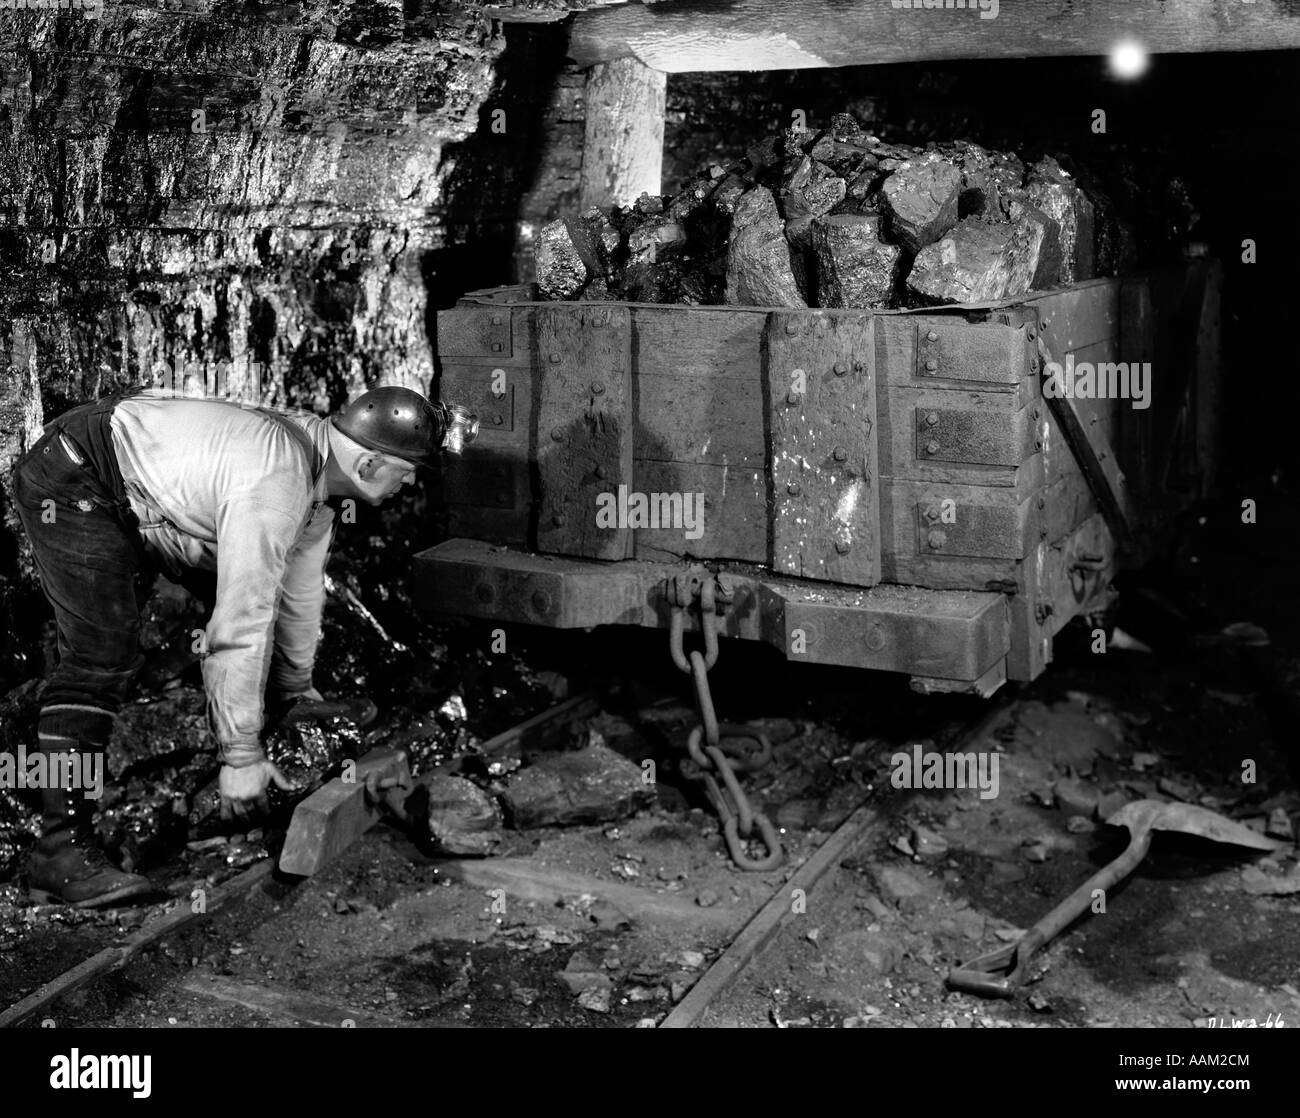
point(380, 476)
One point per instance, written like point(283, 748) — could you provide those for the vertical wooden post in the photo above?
point(623, 144)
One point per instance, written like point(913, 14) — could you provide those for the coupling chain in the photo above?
point(715, 747)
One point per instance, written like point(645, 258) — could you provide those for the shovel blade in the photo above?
point(1190, 819)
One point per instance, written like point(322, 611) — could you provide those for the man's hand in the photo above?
point(243, 790)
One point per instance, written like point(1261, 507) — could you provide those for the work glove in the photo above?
point(242, 783)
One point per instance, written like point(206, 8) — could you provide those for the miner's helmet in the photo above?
point(399, 422)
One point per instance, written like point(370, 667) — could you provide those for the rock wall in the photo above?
point(210, 185)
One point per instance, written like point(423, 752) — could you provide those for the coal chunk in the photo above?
point(810, 190)
point(1053, 191)
point(854, 267)
point(462, 818)
point(567, 257)
point(979, 261)
point(592, 785)
point(759, 269)
point(990, 179)
point(1051, 258)
point(921, 197)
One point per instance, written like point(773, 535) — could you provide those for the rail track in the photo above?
point(768, 916)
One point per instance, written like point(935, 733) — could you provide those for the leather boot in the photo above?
point(68, 866)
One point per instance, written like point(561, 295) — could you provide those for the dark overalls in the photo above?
point(71, 499)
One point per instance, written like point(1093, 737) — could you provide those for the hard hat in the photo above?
point(396, 421)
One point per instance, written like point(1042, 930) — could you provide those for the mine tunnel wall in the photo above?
point(302, 190)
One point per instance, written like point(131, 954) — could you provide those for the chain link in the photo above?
point(713, 748)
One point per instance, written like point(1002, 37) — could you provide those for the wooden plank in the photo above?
point(734, 517)
point(584, 427)
point(333, 817)
point(699, 386)
point(947, 634)
point(954, 634)
point(984, 687)
point(475, 331)
point(529, 881)
point(114, 958)
point(580, 706)
point(623, 140)
point(292, 1009)
point(861, 825)
point(1091, 450)
point(822, 449)
point(713, 35)
point(1031, 642)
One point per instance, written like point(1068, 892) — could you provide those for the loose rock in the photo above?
point(463, 819)
point(854, 267)
point(921, 198)
point(979, 262)
point(592, 785)
point(759, 268)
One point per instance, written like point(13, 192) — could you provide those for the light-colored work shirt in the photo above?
point(238, 491)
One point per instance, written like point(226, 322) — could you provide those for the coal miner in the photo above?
point(120, 489)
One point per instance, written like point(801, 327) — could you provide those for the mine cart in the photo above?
point(905, 491)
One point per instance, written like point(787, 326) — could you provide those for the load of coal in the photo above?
point(840, 218)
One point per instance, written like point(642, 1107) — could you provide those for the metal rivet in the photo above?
point(503, 497)
point(793, 397)
point(557, 433)
point(840, 454)
point(558, 520)
point(600, 472)
point(932, 513)
point(840, 368)
point(793, 489)
point(484, 592)
point(555, 358)
point(597, 388)
point(931, 365)
point(841, 547)
point(935, 540)
point(85, 505)
point(496, 320)
point(498, 419)
point(931, 336)
point(497, 347)
point(932, 448)
point(932, 419)
point(791, 328)
point(541, 602)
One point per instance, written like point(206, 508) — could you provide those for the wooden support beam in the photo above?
point(623, 141)
point(802, 34)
